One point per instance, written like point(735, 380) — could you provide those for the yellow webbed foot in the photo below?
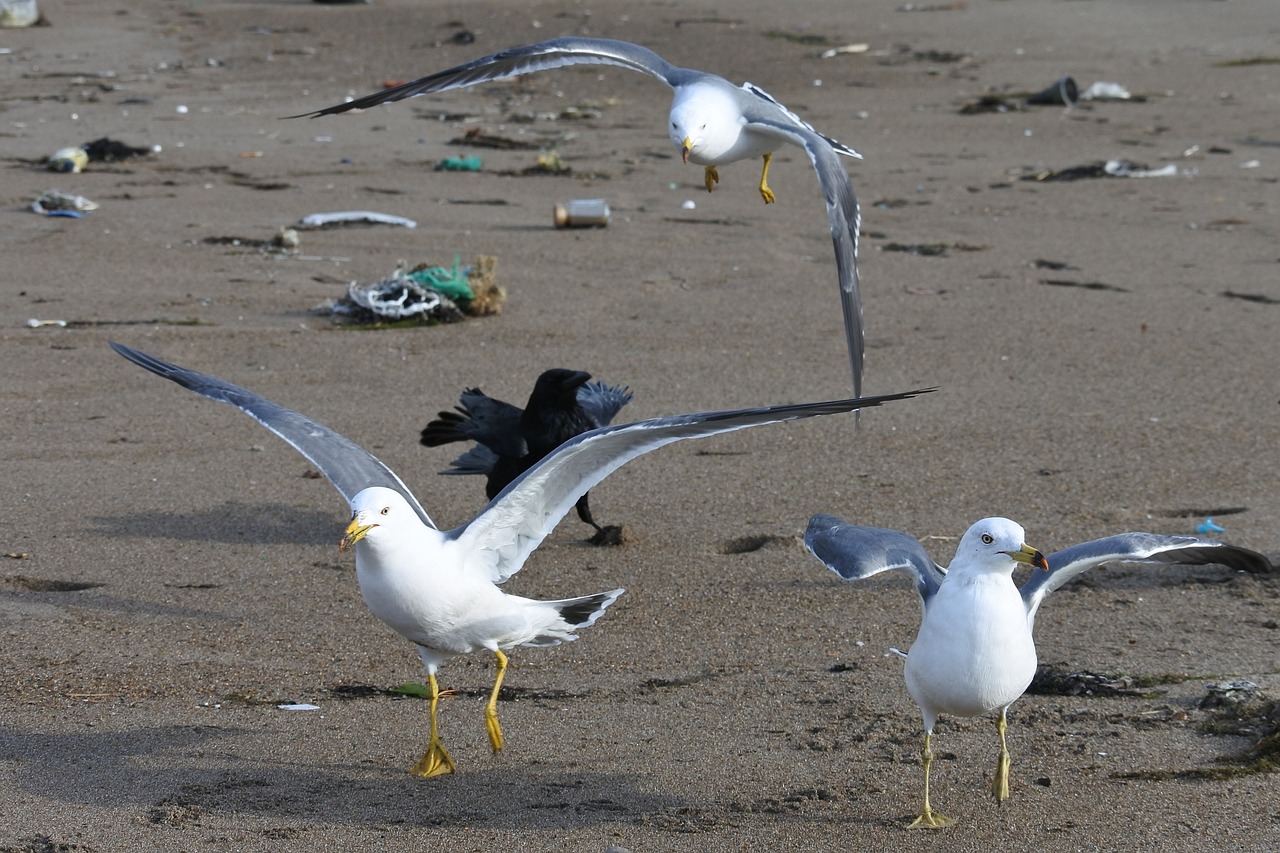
point(491, 708)
point(712, 177)
point(929, 819)
point(765, 192)
point(495, 730)
point(1000, 784)
point(436, 761)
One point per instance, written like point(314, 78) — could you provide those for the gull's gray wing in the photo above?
point(543, 56)
point(844, 217)
point(348, 466)
point(855, 553)
point(603, 402)
point(497, 541)
point(839, 146)
point(1135, 547)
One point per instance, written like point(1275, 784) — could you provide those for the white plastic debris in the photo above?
point(394, 298)
point(1103, 91)
point(58, 203)
point(319, 220)
point(298, 706)
point(1126, 169)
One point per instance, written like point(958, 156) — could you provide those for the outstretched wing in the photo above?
point(503, 535)
point(1135, 547)
point(603, 402)
point(844, 218)
point(348, 466)
point(839, 146)
point(543, 56)
point(855, 553)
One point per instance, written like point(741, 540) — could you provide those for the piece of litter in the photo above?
point(1128, 169)
point(1208, 526)
point(58, 203)
point(71, 160)
point(460, 164)
point(298, 706)
point(35, 323)
point(344, 217)
point(846, 48)
point(1103, 91)
point(688, 204)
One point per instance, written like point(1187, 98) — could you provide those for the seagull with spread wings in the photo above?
point(974, 653)
point(712, 122)
point(439, 589)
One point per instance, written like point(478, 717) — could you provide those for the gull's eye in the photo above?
point(386, 510)
point(986, 537)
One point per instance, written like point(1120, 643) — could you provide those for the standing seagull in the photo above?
point(510, 439)
point(974, 653)
point(712, 122)
point(439, 589)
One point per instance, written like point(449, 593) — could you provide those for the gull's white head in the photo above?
point(996, 545)
point(704, 124)
point(375, 512)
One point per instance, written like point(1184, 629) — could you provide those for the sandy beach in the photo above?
point(1104, 349)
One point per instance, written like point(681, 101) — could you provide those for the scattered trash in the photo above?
point(18, 13)
point(460, 164)
point(1051, 680)
point(1230, 693)
point(35, 323)
point(1100, 169)
point(423, 295)
point(107, 150)
point(1208, 526)
point(847, 48)
point(58, 203)
point(1063, 93)
point(298, 706)
point(347, 217)
point(71, 160)
point(1102, 91)
point(1129, 169)
point(688, 204)
point(582, 213)
point(285, 241)
point(548, 163)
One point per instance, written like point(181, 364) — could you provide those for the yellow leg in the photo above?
point(1000, 787)
point(436, 760)
point(491, 710)
point(712, 177)
point(765, 192)
point(929, 819)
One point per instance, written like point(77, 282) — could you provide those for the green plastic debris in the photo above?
point(452, 283)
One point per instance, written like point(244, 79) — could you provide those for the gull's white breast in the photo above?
point(420, 589)
point(974, 652)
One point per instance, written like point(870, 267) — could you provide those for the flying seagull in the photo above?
point(563, 403)
point(974, 653)
point(439, 588)
point(712, 123)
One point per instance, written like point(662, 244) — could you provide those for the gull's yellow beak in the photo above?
point(354, 533)
point(1028, 555)
point(685, 148)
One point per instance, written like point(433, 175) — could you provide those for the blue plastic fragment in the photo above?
point(1207, 526)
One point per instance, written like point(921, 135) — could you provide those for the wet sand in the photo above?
point(172, 572)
